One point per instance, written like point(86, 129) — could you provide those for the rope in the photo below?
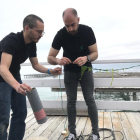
point(89, 136)
point(81, 136)
point(62, 107)
point(84, 68)
point(115, 69)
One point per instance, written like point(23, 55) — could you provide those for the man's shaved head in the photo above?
point(71, 20)
point(70, 11)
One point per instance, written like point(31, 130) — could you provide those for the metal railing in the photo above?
point(98, 83)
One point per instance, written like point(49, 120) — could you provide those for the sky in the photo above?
point(116, 23)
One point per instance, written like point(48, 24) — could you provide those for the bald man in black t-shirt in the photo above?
point(79, 49)
point(14, 50)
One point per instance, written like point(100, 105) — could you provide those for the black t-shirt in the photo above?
point(14, 44)
point(74, 46)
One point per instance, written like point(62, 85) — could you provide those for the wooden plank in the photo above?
point(30, 123)
point(53, 128)
point(48, 132)
point(28, 118)
point(63, 136)
point(137, 117)
point(88, 128)
point(30, 112)
point(31, 126)
point(81, 125)
point(101, 123)
point(43, 126)
point(134, 124)
point(30, 130)
point(128, 131)
point(128, 123)
point(9, 120)
point(107, 124)
point(117, 126)
point(138, 113)
point(57, 133)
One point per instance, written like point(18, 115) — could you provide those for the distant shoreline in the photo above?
point(117, 75)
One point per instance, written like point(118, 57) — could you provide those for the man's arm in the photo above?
point(42, 69)
point(52, 56)
point(55, 61)
point(93, 52)
point(8, 77)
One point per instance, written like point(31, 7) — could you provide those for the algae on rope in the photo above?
point(83, 69)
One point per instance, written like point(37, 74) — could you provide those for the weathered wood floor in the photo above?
point(126, 122)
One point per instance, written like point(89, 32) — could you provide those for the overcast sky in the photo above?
point(116, 23)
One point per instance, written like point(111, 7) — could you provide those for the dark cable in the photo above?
point(89, 136)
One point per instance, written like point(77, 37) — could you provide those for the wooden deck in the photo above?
point(126, 122)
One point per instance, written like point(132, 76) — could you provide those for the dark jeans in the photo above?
point(71, 82)
point(10, 98)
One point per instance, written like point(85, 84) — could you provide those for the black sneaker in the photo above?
point(71, 137)
point(95, 137)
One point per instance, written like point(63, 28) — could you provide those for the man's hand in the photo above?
point(80, 61)
point(22, 88)
point(56, 71)
point(63, 61)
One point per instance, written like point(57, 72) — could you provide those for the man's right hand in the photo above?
point(22, 88)
point(63, 61)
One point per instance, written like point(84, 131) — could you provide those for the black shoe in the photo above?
point(71, 137)
point(95, 137)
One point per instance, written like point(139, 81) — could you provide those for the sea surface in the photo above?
point(45, 93)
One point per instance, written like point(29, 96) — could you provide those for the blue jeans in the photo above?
point(71, 82)
point(10, 98)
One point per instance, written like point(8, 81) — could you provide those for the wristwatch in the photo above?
point(88, 58)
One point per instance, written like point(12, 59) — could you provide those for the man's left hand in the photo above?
point(56, 71)
point(80, 61)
